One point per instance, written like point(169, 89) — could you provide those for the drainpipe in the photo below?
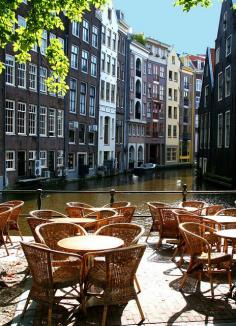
point(127, 104)
point(38, 101)
point(3, 122)
point(65, 133)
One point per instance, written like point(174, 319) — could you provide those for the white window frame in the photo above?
point(21, 75)
point(32, 77)
point(217, 55)
point(85, 31)
point(44, 42)
point(10, 160)
point(227, 129)
point(75, 27)
point(10, 123)
point(74, 57)
point(84, 59)
point(42, 79)
point(228, 43)
point(43, 159)
point(95, 37)
point(72, 108)
point(220, 131)
point(93, 66)
point(60, 123)
point(10, 70)
point(43, 121)
point(51, 122)
point(32, 120)
point(21, 118)
point(227, 89)
point(218, 86)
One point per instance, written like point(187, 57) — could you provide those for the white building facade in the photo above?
point(108, 81)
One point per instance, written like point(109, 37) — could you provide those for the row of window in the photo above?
point(136, 130)
point(86, 29)
point(172, 112)
point(85, 62)
point(85, 134)
point(23, 121)
point(108, 64)
point(108, 91)
point(109, 38)
point(86, 93)
point(173, 76)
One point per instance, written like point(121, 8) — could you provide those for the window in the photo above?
point(74, 57)
point(22, 75)
point(170, 94)
point(94, 37)
point(108, 92)
point(197, 98)
point(10, 160)
point(106, 130)
point(171, 154)
point(92, 97)
point(60, 123)
point(186, 82)
point(32, 120)
point(93, 66)
point(109, 14)
point(114, 41)
point(71, 161)
point(108, 64)
point(71, 136)
point(198, 85)
point(169, 112)
point(10, 70)
point(82, 102)
point(102, 89)
point(175, 112)
point(73, 95)
point(10, 117)
point(103, 57)
point(205, 130)
point(75, 28)
point(169, 131)
point(206, 94)
point(43, 158)
point(43, 121)
point(33, 77)
point(109, 38)
point(162, 72)
point(174, 131)
point(227, 128)
point(220, 130)
point(42, 80)
point(43, 42)
point(21, 118)
point(84, 61)
point(161, 93)
point(227, 81)
point(173, 60)
point(228, 45)
point(217, 55)
point(220, 86)
point(103, 35)
point(91, 160)
point(113, 90)
point(81, 133)
point(60, 158)
point(21, 21)
point(176, 77)
point(85, 31)
point(113, 69)
point(52, 122)
point(170, 75)
point(175, 95)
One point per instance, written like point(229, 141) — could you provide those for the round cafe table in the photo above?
point(75, 220)
point(86, 243)
point(221, 219)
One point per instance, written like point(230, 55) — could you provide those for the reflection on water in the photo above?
point(159, 180)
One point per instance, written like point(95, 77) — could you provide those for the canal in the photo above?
point(159, 180)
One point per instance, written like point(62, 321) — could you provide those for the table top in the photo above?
point(190, 208)
point(75, 220)
point(229, 233)
point(221, 219)
point(86, 243)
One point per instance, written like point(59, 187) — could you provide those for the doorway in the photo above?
point(21, 164)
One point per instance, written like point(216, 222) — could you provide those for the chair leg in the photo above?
point(148, 235)
point(212, 288)
point(139, 308)
point(4, 243)
point(25, 307)
point(104, 315)
point(19, 231)
point(183, 281)
point(137, 284)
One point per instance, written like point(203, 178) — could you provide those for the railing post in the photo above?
point(39, 198)
point(184, 192)
point(112, 194)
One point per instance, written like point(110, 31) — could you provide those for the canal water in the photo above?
point(159, 180)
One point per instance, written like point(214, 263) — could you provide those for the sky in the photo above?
point(190, 32)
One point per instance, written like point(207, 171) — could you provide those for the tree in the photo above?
point(42, 15)
point(48, 15)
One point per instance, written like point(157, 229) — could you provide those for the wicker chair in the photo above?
point(33, 223)
point(102, 213)
point(5, 213)
point(193, 203)
point(46, 213)
point(116, 278)
point(227, 212)
point(13, 221)
point(211, 210)
point(127, 212)
point(118, 204)
point(51, 233)
point(95, 225)
point(154, 208)
point(47, 279)
point(130, 233)
point(201, 240)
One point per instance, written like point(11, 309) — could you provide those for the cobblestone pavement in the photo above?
point(160, 299)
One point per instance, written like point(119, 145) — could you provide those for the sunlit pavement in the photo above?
point(160, 299)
